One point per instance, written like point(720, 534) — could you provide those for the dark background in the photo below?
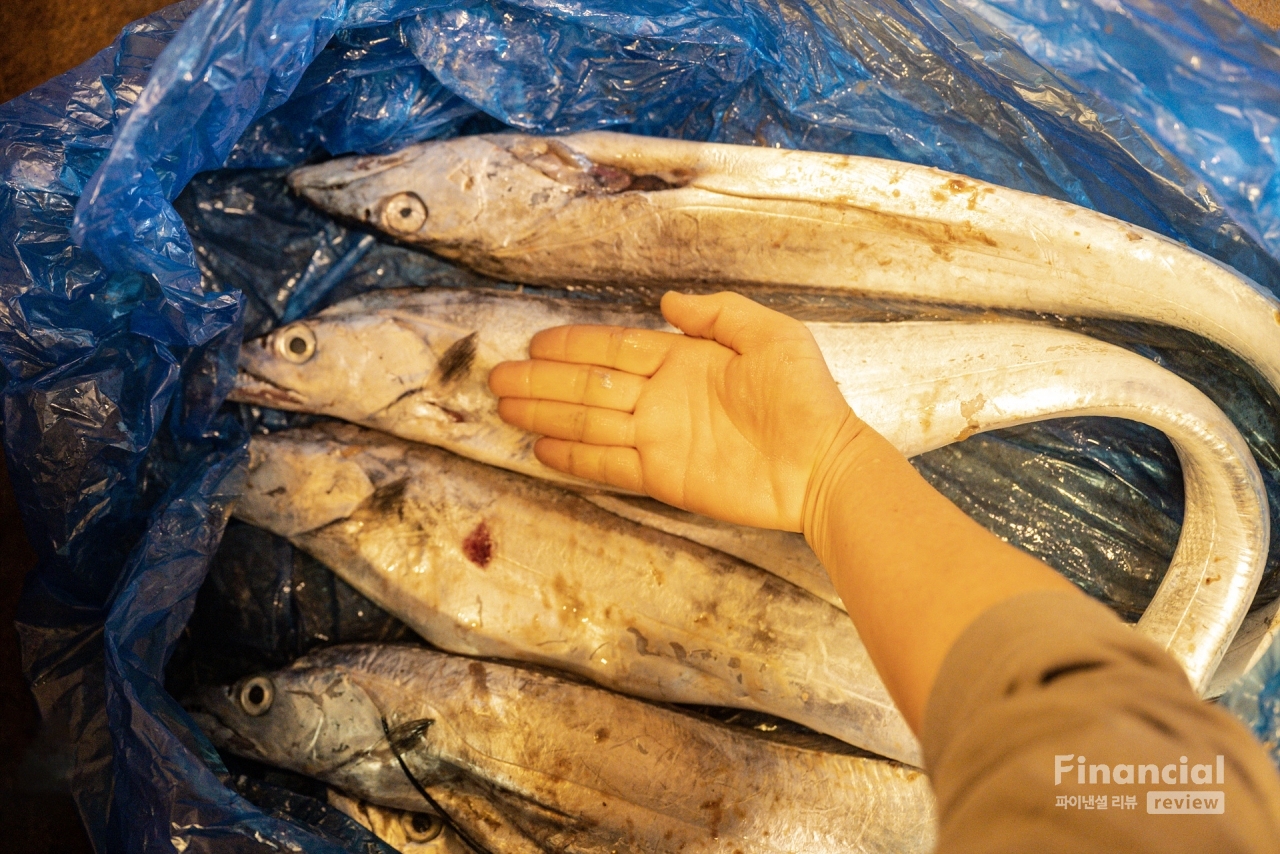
point(38, 40)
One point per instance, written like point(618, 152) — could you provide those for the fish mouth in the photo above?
point(256, 389)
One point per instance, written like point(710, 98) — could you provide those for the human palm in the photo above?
point(729, 419)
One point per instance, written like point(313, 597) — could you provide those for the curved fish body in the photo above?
point(420, 831)
point(524, 761)
point(481, 561)
point(416, 364)
point(607, 207)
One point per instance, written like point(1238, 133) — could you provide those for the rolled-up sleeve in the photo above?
point(1053, 727)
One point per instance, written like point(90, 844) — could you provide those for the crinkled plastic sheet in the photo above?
point(117, 356)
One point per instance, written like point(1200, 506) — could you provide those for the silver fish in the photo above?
point(525, 761)
point(481, 561)
point(415, 364)
point(407, 831)
point(607, 207)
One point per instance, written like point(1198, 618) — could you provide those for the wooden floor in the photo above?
point(1266, 11)
point(38, 40)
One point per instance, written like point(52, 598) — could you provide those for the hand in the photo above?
point(730, 419)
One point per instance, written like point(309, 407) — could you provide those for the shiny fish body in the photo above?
point(416, 364)
point(481, 561)
point(524, 761)
point(607, 207)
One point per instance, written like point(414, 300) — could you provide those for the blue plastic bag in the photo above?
point(117, 357)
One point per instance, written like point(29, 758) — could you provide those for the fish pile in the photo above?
point(568, 618)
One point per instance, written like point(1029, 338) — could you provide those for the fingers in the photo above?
point(637, 351)
point(569, 421)
point(586, 384)
point(618, 467)
point(729, 319)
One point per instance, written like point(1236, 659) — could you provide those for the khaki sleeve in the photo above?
point(1053, 727)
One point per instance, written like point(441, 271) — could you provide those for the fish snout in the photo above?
point(358, 188)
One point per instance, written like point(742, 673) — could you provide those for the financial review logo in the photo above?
point(1070, 768)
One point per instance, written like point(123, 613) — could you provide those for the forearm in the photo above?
point(913, 570)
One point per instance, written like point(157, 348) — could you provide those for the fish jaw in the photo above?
point(257, 390)
point(349, 186)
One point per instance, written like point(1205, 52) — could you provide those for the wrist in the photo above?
point(849, 456)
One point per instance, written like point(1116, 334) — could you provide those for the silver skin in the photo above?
point(525, 761)
point(418, 831)
point(481, 561)
point(605, 207)
point(415, 363)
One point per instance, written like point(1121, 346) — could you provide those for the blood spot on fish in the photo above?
point(602, 734)
point(960, 185)
point(642, 642)
point(1133, 235)
point(735, 662)
point(457, 360)
point(1212, 579)
point(681, 655)
point(611, 179)
point(478, 546)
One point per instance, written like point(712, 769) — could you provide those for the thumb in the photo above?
point(727, 318)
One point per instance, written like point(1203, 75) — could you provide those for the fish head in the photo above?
point(313, 720)
point(435, 194)
point(463, 198)
point(357, 367)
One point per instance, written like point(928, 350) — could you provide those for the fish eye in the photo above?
point(404, 213)
point(256, 695)
point(295, 343)
point(420, 826)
